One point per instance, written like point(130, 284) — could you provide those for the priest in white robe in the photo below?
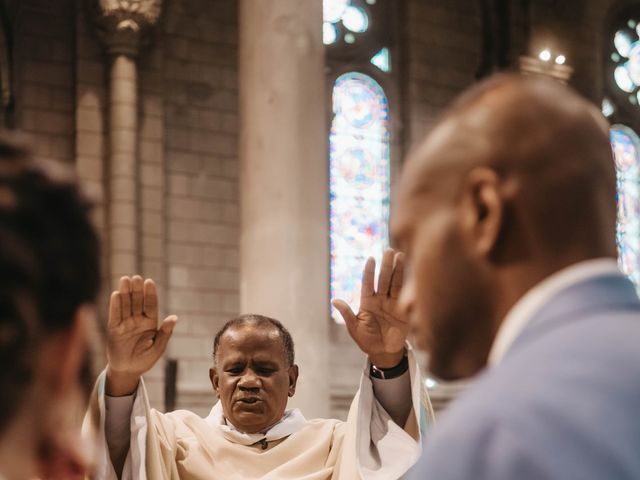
point(249, 433)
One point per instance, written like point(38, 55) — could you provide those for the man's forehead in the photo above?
point(254, 355)
point(252, 331)
point(250, 337)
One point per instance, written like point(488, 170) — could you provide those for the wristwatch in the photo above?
point(389, 373)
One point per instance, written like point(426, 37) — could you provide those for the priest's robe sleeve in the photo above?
point(369, 445)
point(375, 447)
point(145, 457)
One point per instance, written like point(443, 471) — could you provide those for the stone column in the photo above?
point(284, 257)
point(123, 26)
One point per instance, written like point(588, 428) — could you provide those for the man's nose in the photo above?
point(249, 381)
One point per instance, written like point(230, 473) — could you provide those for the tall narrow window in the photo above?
point(360, 38)
point(620, 106)
point(625, 57)
point(626, 150)
point(359, 181)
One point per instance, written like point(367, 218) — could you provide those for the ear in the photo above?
point(484, 209)
point(293, 379)
point(65, 353)
point(213, 376)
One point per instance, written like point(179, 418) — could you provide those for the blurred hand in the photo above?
point(135, 341)
point(379, 329)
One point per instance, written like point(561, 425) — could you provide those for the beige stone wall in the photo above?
point(188, 170)
point(200, 84)
point(188, 140)
point(44, 76)
point(442, 55)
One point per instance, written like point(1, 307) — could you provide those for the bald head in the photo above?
point(550, 147)
point(510, 120)
point(514, 183)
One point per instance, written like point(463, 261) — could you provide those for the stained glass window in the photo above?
point(608, 108)
point(626, 59)
point(352, 17)
point(626, 150)
point(382, 60)
point(359, 170)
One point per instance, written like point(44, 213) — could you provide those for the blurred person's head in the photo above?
point(49, 277)
point(514, 183)
point(254, 371)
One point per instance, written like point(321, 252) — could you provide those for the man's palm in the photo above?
point(134, 340)
point(378, 329)
point(379, 325)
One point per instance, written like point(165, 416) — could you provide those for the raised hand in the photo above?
point(378, 329)
point(135, 341)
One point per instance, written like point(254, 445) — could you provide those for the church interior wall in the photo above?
point(441, 49)
point(200, 83)
point(43, 40)
point(188, 132)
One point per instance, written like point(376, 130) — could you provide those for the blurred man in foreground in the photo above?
point(48, 282)
point(249, 434)
point(507, 212)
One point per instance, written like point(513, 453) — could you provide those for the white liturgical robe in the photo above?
point(182, 445)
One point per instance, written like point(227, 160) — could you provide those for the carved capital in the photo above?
point(124, 25)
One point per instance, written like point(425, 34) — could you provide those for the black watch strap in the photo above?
point(389, 373)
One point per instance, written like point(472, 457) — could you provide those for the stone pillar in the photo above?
point(123, 26)
point(123, 168)
point(284, 255)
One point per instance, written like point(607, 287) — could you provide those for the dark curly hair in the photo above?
point(259, 320)
point(49, 264)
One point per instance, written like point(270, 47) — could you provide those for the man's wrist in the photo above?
point(387, 360)
point(392, 372)
point(119, 384)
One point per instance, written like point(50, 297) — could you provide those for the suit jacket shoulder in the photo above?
point(561, 405)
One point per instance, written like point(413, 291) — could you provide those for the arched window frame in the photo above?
point(342, 58)
point(622, 114)
point(625, 111)
point(628, 234)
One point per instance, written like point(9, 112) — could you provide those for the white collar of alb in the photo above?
point(524, 310)
point(291, 422)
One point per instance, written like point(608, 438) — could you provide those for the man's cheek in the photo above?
point(420, 327)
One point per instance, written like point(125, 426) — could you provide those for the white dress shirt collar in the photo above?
point(525, 308)
point(291, 422)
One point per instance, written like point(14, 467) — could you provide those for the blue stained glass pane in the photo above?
point(622, 41)
point(329, 33)
point(355, 19)
point(626, 151)
point(608, 108)
point(359, 169)
point(382, 60)
point(332, 10)
point(623, 79)
point(633, 65)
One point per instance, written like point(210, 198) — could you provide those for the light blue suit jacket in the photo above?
point(563, 404)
